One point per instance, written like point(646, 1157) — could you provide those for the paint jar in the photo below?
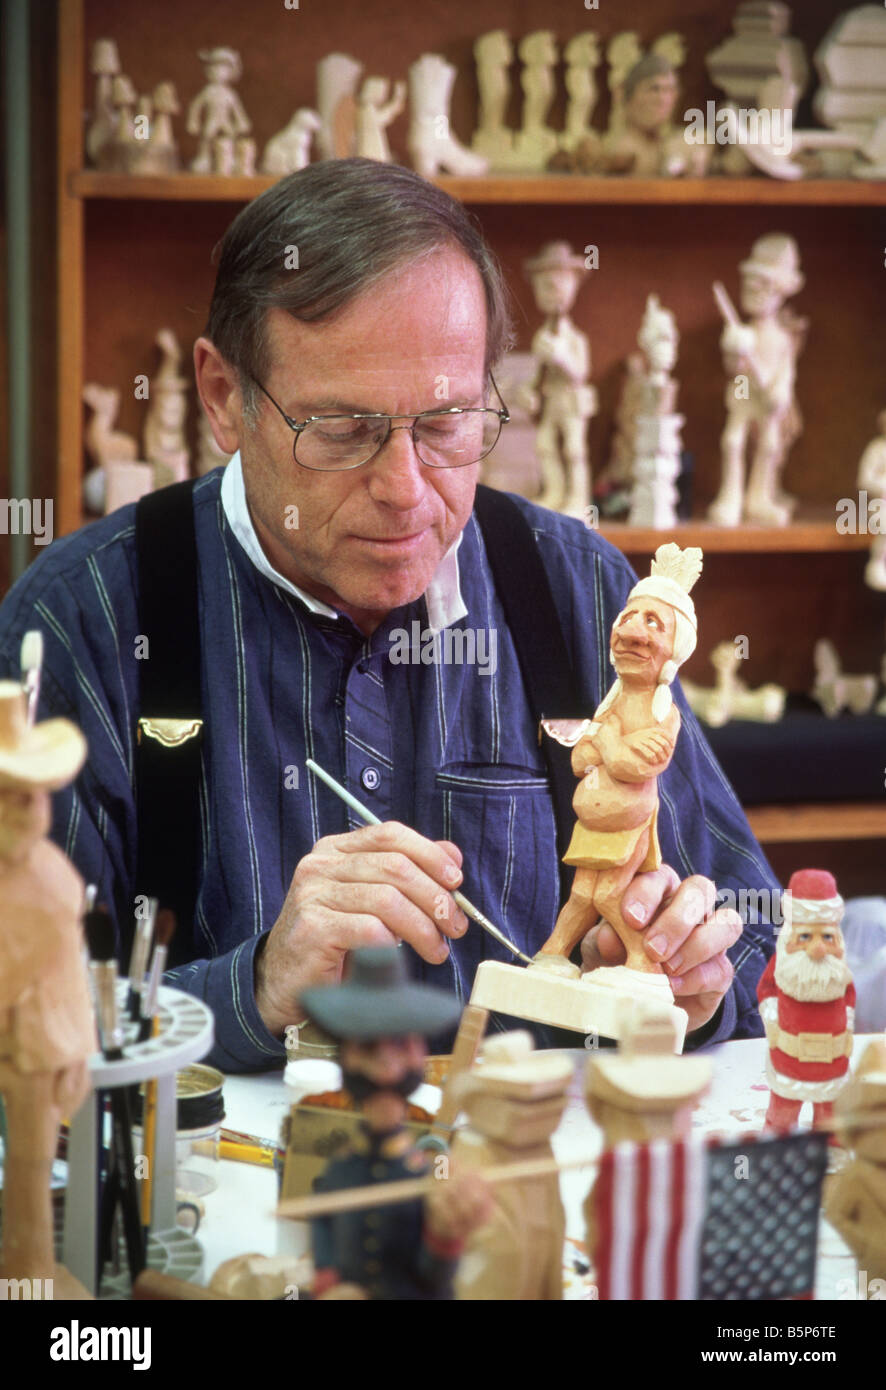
point(199, 1114)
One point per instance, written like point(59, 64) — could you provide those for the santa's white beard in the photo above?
point(812, 981)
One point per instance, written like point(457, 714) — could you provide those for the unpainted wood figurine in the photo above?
point(290, 149)
point(337, 77)
point(562, 397)
point(760, 358)
point(47, 1030)
point(582, 57)
point(807, 1004)
point(872, 479)
point(493, 139)
point(836, 691)
point(642, 138)
point(432, 145)
point(535, 141)
point(375, 113)
point(856, 1197)
point(104, 65)
point(514, 1099)
point(657, 442)
point(730, 697)
point(164, 442)
point(217, 110)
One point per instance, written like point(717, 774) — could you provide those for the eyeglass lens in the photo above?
point(441, 440)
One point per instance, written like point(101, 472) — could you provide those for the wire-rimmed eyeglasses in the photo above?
point(449, 438)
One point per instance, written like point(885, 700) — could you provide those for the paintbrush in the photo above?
point(32, 664)
point(149, 1023)
point(138, 960)
point(120, 1185)
point(165, 932)
point(365, 814)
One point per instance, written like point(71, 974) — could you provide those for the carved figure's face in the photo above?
point(652, 101)
point(643, 640)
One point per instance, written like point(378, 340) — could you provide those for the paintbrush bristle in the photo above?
point(32, 650)
point(166, 925)
point(99, 929)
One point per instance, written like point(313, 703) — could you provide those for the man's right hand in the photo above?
point(375, 886)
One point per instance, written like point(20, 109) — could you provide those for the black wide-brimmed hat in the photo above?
point(378, 1000)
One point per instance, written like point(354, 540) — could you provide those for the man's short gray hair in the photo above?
point(345, 224)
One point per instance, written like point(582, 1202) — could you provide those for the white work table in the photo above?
point(240, 1213)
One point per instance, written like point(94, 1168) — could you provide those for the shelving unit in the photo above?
point(133, 254)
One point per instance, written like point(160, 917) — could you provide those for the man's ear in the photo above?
point(220, 393)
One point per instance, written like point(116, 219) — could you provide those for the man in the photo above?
point(396, 308)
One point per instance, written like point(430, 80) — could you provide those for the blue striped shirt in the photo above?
point(449, 747)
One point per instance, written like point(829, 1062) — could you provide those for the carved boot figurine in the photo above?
point(432, 146)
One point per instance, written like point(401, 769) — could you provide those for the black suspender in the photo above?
point(170, 727)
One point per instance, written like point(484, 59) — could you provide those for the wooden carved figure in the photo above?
point(536, 142)
point(619, 757)
point(164, 155)
point(642, 138)
point(217, 109)
point(730, 697)
point(164, 442)
point(834, 690)
point(807, 1003)
point(398, 1252)
point(856, 1199)
point(337, 78)
point(657, 444)
point(245, 154)
point(872, 478)
point(432, 146)
point(514, 1100)
point(760, 358)
point(493, 54)
point(374, 114)
point(562, 396)
point(46, 1022)
point(104, 444)
point(290, 149)
point(104, 66)
point(123, 153)
point(582, 56)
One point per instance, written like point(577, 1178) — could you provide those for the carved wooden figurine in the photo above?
point(760, 359)
point(514, 1100)
point(582, 56)
point(375, 113)
point(856, 1200)
point(46, 1022)
point(493, 54)
point(337, 78)
point(807, 1003)
point(642, 139)
point(394, 1252)
point(432, 146)
point(836, 691)
point(563, 397)
point(535, 141)
point(657, 443)
point(217, 110)
point(290, 149)
point(872, 478)
point(164, 441)
point(730, 697)
point(104, 66)
point(116, 477)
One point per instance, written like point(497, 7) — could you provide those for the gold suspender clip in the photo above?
point(170, 732)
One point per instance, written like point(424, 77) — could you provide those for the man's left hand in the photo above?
point(684, 931)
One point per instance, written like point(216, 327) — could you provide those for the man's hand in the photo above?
point(370, 887)
point(683, 930)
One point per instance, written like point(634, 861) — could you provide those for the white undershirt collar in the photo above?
point(443, 594)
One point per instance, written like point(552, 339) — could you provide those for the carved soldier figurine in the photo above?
point(46, 1022)
point(807, 1003)
point(399, 1252)
point(562, 394)
point(760, 359)
point(619, 757)
point(164, 441)
point(514, 1099)
point(217, 111)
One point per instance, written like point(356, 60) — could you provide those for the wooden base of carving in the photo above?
point(602, 1002)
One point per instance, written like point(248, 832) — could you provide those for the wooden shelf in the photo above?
point(545, 189)
point(846, 820)
point(808, 534)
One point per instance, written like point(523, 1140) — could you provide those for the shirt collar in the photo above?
point(443, 595)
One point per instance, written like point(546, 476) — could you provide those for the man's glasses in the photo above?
point(451, 438)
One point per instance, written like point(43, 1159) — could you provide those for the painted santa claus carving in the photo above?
point(807, 1003)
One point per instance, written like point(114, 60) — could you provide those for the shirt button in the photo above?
point(371, 1243)
point(370, 778)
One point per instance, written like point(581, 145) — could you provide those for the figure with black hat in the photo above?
point(408, 1251)
point(46, 1021)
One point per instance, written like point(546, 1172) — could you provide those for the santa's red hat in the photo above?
point(812, 897)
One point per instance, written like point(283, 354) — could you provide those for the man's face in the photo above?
point(370, 539)
point(24, 819)
point(643, 640)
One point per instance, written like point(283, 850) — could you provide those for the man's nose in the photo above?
point(397, 477)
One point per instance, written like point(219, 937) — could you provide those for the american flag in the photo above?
point(704, 1219)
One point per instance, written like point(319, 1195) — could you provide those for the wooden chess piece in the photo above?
point(46, 1022)
point(374, 114)
point(493, 54)
point(855, 1203)
point(807, 1004)
point(163, 440)
point(760, 358)
point(564, 398)
point(514, 1099)
point(216, 112)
